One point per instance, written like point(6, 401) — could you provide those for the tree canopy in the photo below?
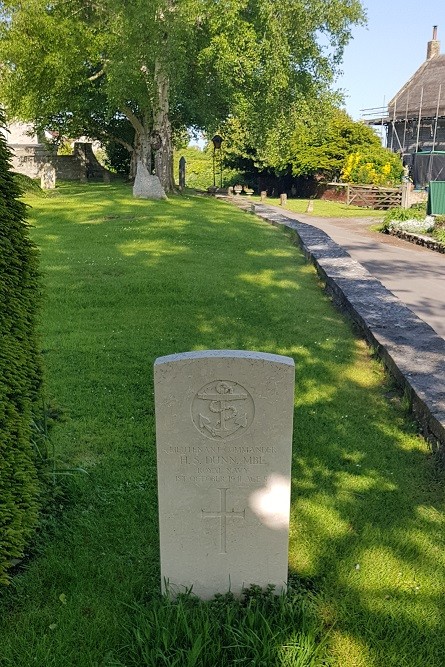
point(135, 70)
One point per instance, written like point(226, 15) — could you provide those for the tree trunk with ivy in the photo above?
point(162, 132)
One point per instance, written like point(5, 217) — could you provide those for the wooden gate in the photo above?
point(371, 196)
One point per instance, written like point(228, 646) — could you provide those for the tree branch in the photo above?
point(134, 120)
point(96, 76)
point(123, 143)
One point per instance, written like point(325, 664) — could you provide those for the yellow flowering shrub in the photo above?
point(378, 166)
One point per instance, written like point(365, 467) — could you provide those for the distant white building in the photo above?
point(22, 134)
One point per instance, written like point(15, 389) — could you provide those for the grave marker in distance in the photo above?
point(224, 439)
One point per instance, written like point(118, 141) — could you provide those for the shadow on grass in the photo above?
point(133, 280)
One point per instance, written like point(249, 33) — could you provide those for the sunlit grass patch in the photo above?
point(324, 208)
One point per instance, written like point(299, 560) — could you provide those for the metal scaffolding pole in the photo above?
point(437, 116)
point(393, 124)
point(406, 120)
point(418, 122)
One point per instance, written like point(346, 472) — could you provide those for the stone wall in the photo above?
point(82, 165)
point(28, 159)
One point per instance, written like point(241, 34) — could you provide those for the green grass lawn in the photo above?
point(129, 280)
point(325, 209)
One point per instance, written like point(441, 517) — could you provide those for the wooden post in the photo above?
point(348, 194)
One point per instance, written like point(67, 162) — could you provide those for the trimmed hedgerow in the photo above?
point(20, 371)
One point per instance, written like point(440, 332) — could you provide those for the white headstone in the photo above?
point(224, 440)
point(147, 186)
point(48, 177)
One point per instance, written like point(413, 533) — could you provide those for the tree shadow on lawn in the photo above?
point(363, 495)
point(368, 531)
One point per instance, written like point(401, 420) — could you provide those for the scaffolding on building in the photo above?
point(396, 122)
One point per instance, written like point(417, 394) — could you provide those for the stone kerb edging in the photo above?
point(418, 239)
point(411, 350)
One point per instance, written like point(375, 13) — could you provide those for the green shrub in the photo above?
point(439, 234)
point(199, 169)
point(403, 214)
point(20, 371)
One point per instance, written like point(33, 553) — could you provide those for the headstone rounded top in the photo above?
point(223, 354)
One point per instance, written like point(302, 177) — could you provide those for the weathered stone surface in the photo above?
point(48, 177)
point(147, 186)
point(419, 239)
point(224, 436)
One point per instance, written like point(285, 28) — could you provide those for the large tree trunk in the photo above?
point(142, 150)
point(162, 131)
point(142, 142)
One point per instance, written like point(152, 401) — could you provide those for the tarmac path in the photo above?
point(413, 273)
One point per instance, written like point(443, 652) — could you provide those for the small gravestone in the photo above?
point(147, 186)
point(48, 177)
point(182, 163)
point(283, 200)
point(224, 438)
point(237, 189)
point(263, 195)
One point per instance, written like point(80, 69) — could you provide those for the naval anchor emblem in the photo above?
point(222, 409)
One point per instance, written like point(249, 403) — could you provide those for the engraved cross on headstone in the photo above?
point(222, 515)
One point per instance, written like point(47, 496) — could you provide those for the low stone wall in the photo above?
point(82, 165)
point(29, 159)
point(417, 197)
point(418, 239)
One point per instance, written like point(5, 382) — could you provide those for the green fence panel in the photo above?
point(436, 198)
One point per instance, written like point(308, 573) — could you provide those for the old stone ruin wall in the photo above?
point(82, 165)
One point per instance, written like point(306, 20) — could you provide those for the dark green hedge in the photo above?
point(20, 371)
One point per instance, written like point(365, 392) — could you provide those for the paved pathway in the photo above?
point(393, 291)
point(414, 274)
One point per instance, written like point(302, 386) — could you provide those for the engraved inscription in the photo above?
point(222, 410)
point(223, 514)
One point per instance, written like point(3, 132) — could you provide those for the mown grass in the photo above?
point(128, 281)
point(325, 209)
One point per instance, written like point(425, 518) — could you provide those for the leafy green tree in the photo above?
point(165, 64)
point(321, 147)
point(314, 140)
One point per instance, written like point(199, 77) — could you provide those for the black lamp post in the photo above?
point(217, 141)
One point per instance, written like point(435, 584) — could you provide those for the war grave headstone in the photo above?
point(224, 438)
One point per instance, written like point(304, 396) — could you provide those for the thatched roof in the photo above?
point(422, 93)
